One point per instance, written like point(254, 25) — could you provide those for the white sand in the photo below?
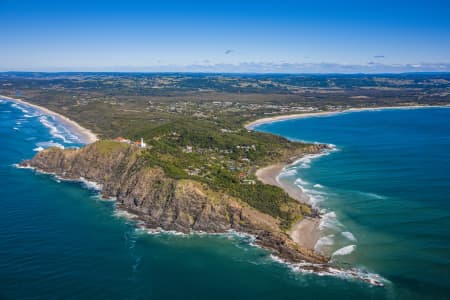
point(305, 233)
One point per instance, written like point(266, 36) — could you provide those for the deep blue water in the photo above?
point(58, 240)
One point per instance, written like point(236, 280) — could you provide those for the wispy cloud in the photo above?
point(378, 56)
point(268, 67)
point(229, 51)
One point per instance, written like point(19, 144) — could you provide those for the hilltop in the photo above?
point(170, 201)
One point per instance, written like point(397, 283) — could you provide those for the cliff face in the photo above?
point(159, 201)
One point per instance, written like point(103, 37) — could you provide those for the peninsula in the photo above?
point(202, 168)
point(146, 183)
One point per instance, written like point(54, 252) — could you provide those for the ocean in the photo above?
point(384, 193)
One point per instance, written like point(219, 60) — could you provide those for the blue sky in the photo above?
point(230, 36)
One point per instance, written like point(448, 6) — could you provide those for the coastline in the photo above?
point(85, 135)
point(251, 125)
point(270, 174)
point(306, 232)
point(321, 269)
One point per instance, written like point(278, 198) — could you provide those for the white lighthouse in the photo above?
point(143, 145)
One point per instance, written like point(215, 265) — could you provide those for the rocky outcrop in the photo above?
point(160, 201)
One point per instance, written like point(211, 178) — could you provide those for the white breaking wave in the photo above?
point(288, 172)
point(38, 149)
point(22, 167)
point(313, 192)
point(21, 108)
point(49, 144)
point(344, 250)
point(54, 131)
point(324, 270)
point(349, 236)
point(57, 129)
point(313, 197)
point(124, 214)
point(319, 186)
point(91, 184)
point(324, 241)
point(300, 181)
point(329, 220)
point(305, 161)
point(373, 195)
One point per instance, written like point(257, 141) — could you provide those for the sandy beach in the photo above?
point(85, 135)
point(253, 124)
point(268, 175)
point(305, 233)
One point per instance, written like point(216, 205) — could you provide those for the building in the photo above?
point(122, 140)
point(143, 144)
point(140, 143)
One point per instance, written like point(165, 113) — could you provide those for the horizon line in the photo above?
point(224, 72)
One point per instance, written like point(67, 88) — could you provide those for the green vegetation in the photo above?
point(114, 104)
point(224, 161)
point(193, 123)
point(107, 147)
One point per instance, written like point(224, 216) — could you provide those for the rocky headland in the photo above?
point(183, 205)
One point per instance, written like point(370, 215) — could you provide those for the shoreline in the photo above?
point(85, 135)
point(307, 229)
point(252, 124)
point(306, 232)
point(319, 268)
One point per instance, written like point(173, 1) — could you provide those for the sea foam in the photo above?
point(49, 144)
point(349, 236)
point(300, 181)
point(38, 149)
point(91, 184)
point(344, 250)
point(326, 270)
point(54, 131)
point(323, 242)
point(329, 220)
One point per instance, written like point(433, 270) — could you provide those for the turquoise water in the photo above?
point(58, 240)
point(385, 193)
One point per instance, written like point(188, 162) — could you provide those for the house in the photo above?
point(140, 143)
point(249, 181)
point(122, 140)
point(193, 171)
